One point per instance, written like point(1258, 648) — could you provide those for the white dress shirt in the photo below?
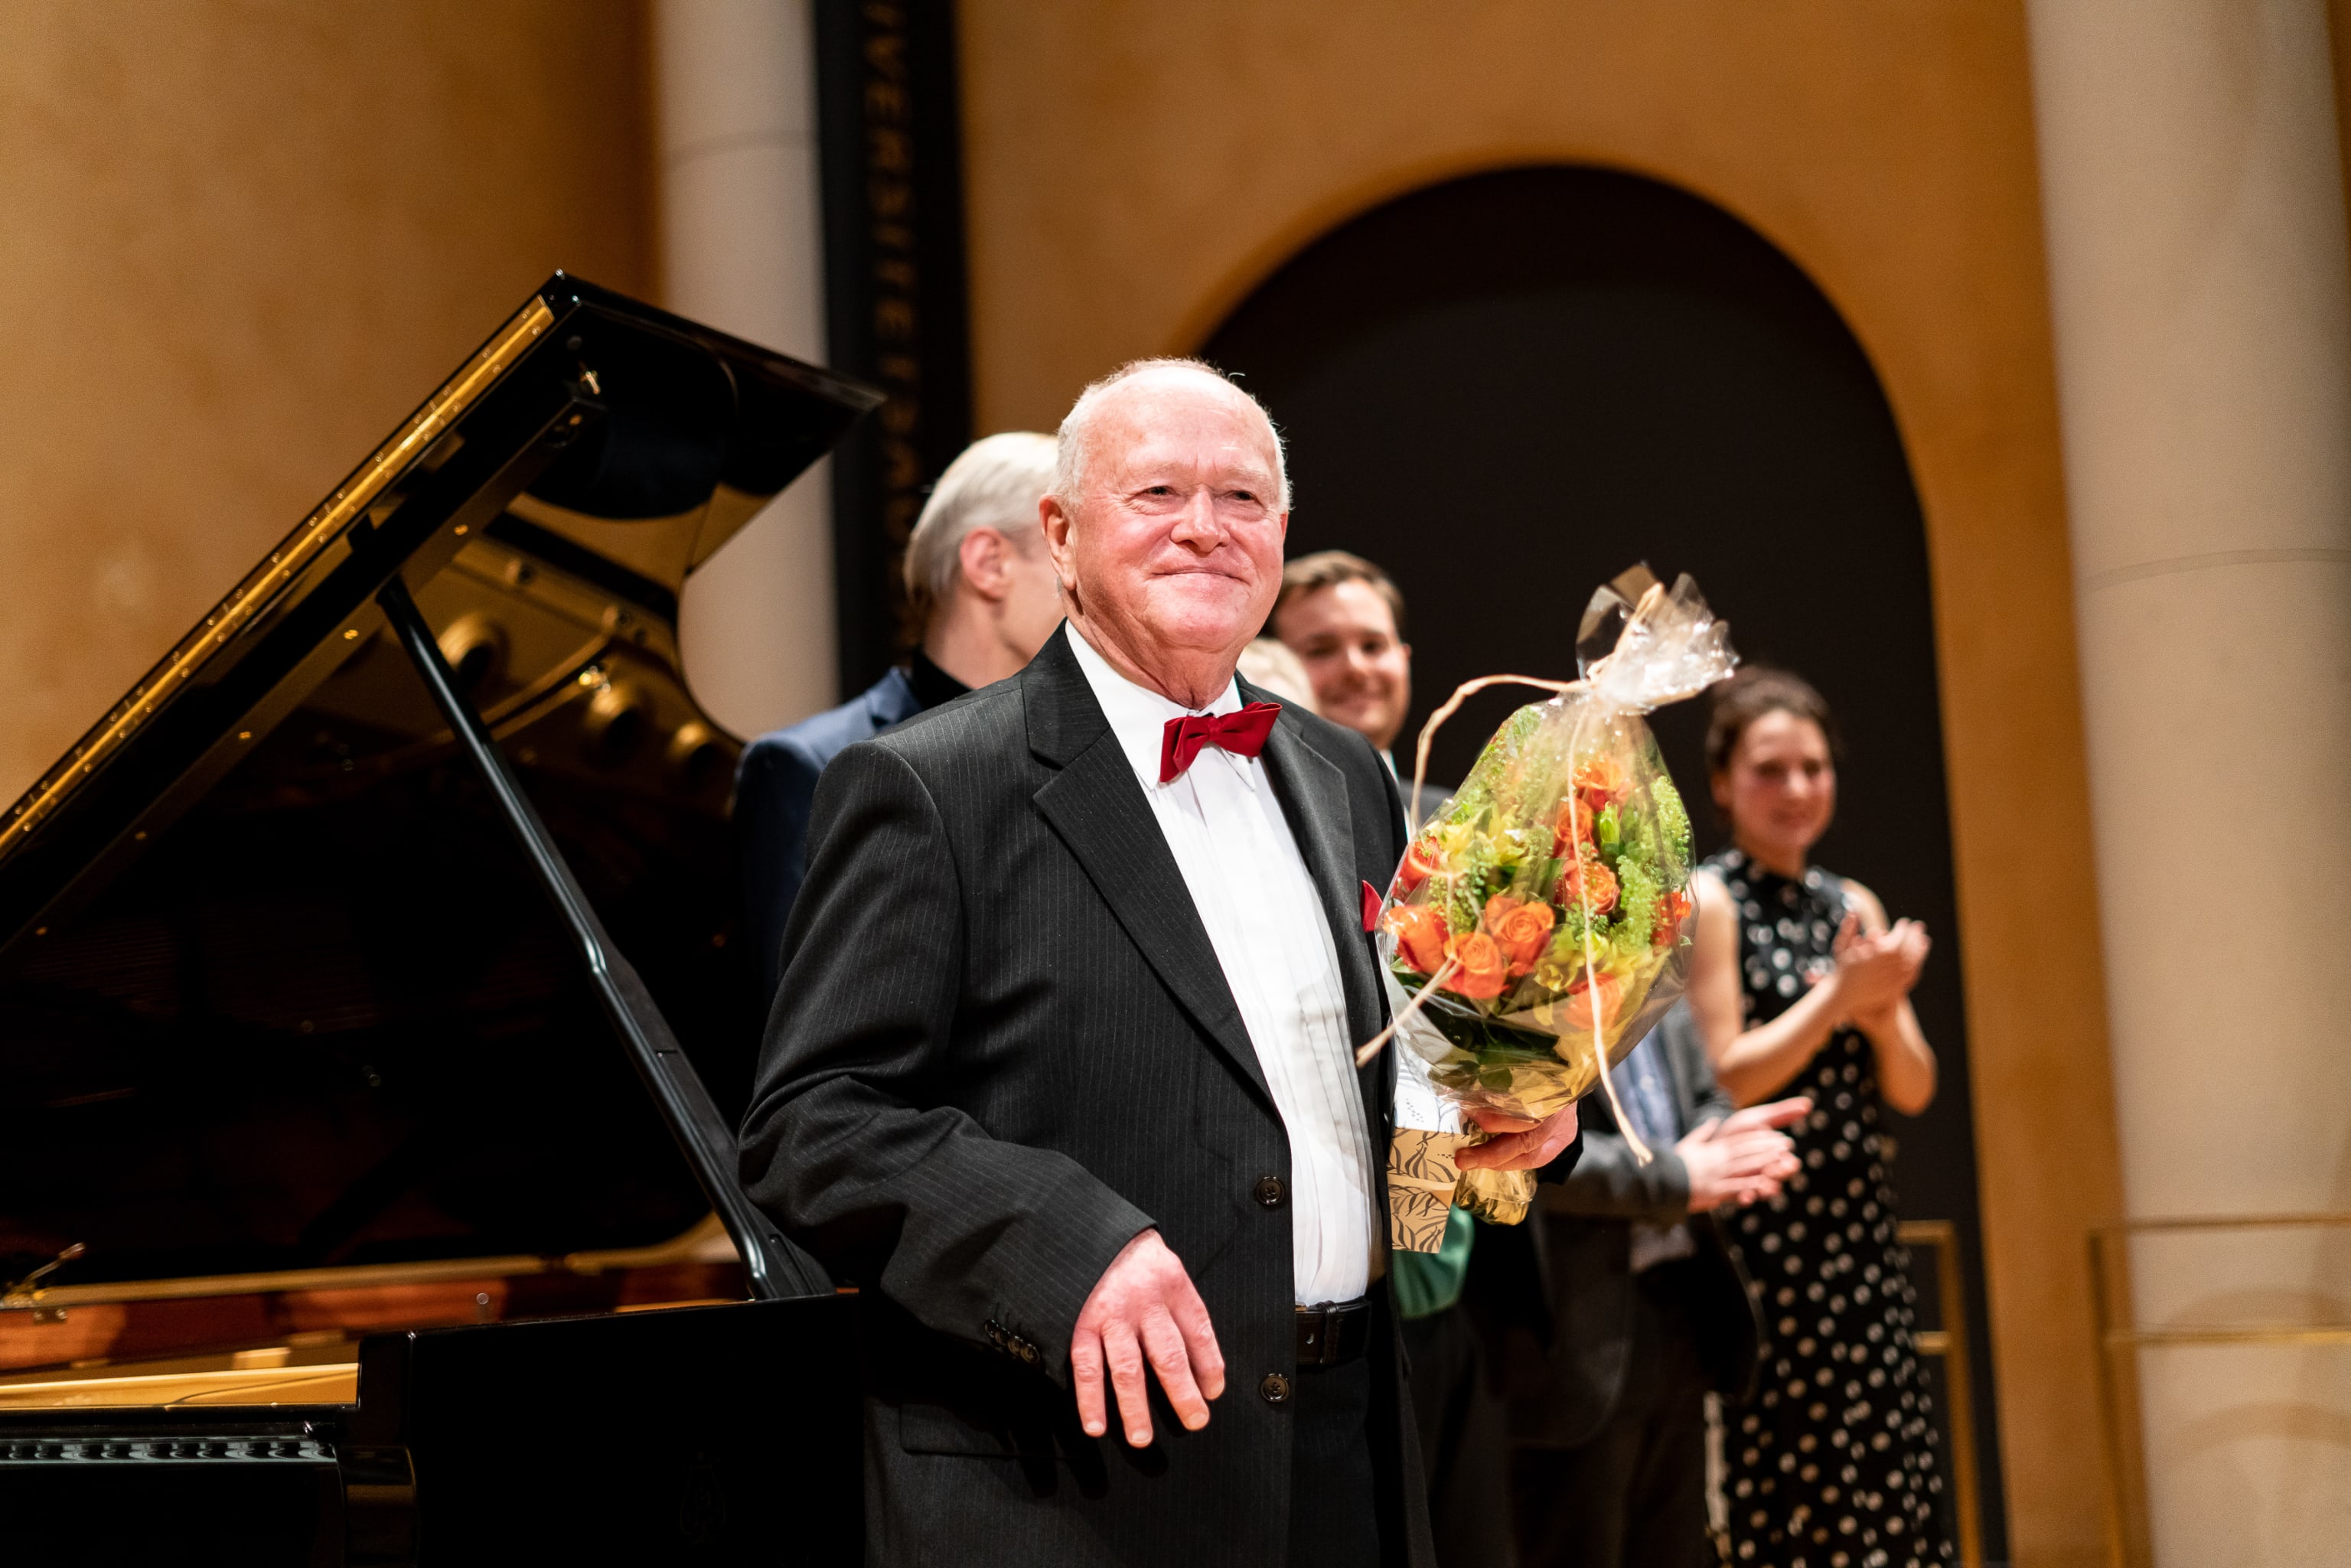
point(1255, 895)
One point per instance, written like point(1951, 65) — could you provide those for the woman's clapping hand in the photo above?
point(1876, 969)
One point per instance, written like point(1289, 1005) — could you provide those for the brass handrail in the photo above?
point(1950, 1342)
point(2129, 1535)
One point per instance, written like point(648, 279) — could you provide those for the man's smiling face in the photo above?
point(1174, 544)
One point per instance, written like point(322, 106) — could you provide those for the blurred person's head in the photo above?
point(1343, 618)
point(1166, 522)
point(1267, 662)
point(1772, 752)
point(977, 565)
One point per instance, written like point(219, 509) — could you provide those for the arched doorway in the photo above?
point(1511, 386)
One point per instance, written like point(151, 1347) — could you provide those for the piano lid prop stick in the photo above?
point(774, 1267)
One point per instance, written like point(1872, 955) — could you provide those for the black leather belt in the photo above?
point(1332, 1333)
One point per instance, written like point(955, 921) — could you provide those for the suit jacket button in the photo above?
point(1275, 1390)
point(1270, 1191)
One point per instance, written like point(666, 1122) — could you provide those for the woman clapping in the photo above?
point(1800, 986)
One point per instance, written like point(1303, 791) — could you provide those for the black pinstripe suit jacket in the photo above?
point(1003, 1046)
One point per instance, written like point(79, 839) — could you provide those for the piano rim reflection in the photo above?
point(419, 442)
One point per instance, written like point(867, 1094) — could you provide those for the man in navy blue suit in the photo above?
point(978, 567)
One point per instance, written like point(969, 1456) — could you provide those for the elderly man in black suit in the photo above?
point(1631, 1308)
point(1063, 1068)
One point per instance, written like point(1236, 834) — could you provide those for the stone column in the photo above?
point(742, 249)
point(2201, 297)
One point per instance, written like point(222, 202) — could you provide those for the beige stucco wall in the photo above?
point(1134, 168)
point(238, 242)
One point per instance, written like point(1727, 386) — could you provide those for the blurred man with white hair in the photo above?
point(1067, 1084)
point(978, 570)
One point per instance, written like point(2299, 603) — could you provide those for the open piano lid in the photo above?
point(279, 990)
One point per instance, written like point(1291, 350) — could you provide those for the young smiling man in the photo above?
point(1343, 618)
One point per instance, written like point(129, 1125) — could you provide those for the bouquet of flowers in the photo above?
point(1537, 928)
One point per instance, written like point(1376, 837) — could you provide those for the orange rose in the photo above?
point(1599, 881)
point(1483, 968)
point(1612, 999)
point(1599, 780)
point(1520, 928)
point(1419, 864)
point(1420, 933)
point(1573, 826)
point(1673, 908)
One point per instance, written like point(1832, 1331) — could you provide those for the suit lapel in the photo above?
point(1314, 795)
point(1098, 809)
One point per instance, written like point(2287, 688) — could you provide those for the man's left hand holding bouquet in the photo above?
point(1518, 1144)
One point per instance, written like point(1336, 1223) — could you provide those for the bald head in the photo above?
point(1166, 522)
point(1148, 380)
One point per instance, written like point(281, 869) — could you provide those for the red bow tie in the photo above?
point(1242, 734)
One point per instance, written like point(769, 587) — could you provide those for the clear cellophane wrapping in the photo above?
point(1540, 923)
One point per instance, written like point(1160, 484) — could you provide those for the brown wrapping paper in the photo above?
point(1421, 1179)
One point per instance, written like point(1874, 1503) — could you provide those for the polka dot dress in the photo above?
point(1833, 1463)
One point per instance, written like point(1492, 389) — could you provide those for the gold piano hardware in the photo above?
point(2129, 1535)
point(485, 603)
point(45, 1311)
point(29, 1294)
point(616, 718)
point(476, 645)
point(285, 564)
point(509, 575)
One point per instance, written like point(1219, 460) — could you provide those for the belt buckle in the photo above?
point(1316, 1336)
point(1321, 1333)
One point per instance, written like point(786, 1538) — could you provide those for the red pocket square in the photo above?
point(1371, 908)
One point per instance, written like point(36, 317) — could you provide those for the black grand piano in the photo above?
point(373, 1024)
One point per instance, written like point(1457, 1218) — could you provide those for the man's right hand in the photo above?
point(1743, 1157)
point(1145, 1308)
